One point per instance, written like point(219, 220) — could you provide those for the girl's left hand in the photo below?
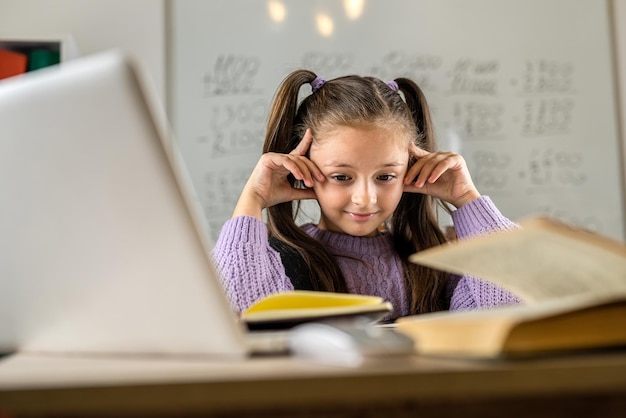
point(443, 175)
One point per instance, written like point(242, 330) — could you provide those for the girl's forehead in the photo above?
point(361, 136)
point(363, 149)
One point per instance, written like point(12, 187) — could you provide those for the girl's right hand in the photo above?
point(268, 184)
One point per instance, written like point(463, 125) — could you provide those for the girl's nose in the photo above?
point(364, 195)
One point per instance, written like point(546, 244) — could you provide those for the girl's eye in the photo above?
point(386, 177)
point(340, 177)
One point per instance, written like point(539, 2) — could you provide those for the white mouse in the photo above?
point(347, 342)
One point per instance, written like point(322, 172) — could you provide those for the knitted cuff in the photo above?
point(480, 216)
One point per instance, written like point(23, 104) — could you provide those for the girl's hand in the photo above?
point(268, 184)
point(443, 175)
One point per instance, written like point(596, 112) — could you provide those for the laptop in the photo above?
point(103, 247)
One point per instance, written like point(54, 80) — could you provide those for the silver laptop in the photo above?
point(102, 242)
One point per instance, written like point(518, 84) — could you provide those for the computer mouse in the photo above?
point(348, 342)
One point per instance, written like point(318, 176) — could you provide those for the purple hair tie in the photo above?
point(393, 85)
point(317, 83)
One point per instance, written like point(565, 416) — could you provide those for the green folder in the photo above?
point(40, 58)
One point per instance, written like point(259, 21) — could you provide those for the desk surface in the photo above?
point(590, 384)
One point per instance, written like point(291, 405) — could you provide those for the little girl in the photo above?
point(365, 151)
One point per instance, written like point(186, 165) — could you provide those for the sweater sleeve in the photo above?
point(478, 217)
point(249, 268)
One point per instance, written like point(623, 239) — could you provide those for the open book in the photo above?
point(287, 309)
point(573, 283)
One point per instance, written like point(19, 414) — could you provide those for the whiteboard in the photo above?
point(523, 89)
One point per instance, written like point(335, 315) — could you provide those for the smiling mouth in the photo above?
point(361, 217)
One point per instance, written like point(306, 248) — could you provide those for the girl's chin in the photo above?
point(362, 231)
point(357, 228)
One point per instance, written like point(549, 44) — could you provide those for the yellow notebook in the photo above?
point(286, 309)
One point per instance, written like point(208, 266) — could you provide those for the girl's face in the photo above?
point(364, 169)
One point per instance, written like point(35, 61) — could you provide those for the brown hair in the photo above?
point(356, 101)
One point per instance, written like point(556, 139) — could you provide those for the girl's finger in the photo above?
point(422, 157)
point(302, 194)
point(440, 168)
point(417, 151)
point(303, 169)
point(304, 144)
point(422, 171)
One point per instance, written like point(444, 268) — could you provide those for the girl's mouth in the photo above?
point(361, 217)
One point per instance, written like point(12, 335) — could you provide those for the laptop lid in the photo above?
point(102, 244)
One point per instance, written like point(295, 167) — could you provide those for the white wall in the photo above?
point(136, 26)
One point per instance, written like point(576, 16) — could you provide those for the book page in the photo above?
point(537, 262)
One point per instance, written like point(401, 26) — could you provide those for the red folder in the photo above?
point(12, 63)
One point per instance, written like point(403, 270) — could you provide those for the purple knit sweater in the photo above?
point(251, 269)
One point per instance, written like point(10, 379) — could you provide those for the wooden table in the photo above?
point(590, 385)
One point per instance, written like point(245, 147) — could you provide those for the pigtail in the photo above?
point(416, 101)
point(284, 131)
point(415, 224)
point(280, 125)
